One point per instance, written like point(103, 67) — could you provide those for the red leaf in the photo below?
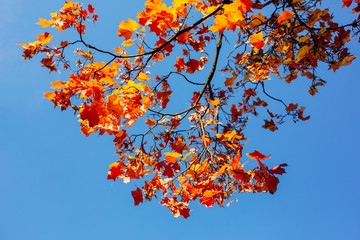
point(256, 155)
point(137, 195)
point(91, 8)
point(115, 171)
point(278, 169)
point(91, 114)
point(270, 125)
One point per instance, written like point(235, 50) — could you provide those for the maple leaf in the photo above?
point(301, 114)
point(126, 28)
point(208, 199)
point(256, 155)
point(57, 84)
point(89, 113)
point(249, 92)
point(150, 122)
point(137, 195)
point(214, 102)
point(285, 16)
point(44, 39)
point(257, 40)
point(291, 107)
point(128, 43)
point(115, 171)
point(270, 125)
point(278, 169)
point(230, 81)
point(347, 3)
point(50, 95)
point(91, 8)
point(45, 23)
point(172, 156)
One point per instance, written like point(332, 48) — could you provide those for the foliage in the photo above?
point(195, 152)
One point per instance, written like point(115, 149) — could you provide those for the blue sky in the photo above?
point(53, 179)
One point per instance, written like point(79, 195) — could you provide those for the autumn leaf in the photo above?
point(57, 84)
point(91, 8)
point(44, 39)
point(270, 125)
point(208, 199)
point(128, 43)
point(256, 155)
point(302, 52)
point(249, 92)
point(89, 113)
point(150, 122)
point(347, 60)
point(291, 107)
point(285, 16)
point(219, 173)
point(172, 156)
point(230, 81)
point(220, 23)
point(45, 23)
point(50, 95)
point(137, 195)
point(278, 169)
point(347, 3)
point(257, 40)
point(214, 102)
point(126, 28)
point(301, 114)
point(115, 171)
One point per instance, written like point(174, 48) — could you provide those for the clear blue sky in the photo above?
point(53, 179)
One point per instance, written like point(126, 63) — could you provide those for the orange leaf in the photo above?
point(214, 102)
point(150, 122)
point(50, 95)
point(257, 40)
point(270, 125)
point(285, 16)
point(57, 84)
point(126, 28)
point(230, 81)
point(127, 43)
point(291, 107)
point(45, 23)
point(220, 172)
point(44, 39)
point(256, 155)
point(172, 156)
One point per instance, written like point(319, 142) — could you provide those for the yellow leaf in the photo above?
point(143, 77)
point(221, 171)
point(45, 23)
point(302, 52)
point(126, 28)
point(127, 43)
point(229, 135)
point(44, 39)
point(304, 38)
point(57, 84)
point(214, 102)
